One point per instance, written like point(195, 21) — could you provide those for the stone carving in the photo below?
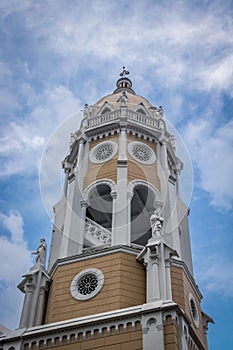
point(87, 284)
point(156, 222)
point(41, 253)
point(141, 152)
point(97, 231)
point(104, 152)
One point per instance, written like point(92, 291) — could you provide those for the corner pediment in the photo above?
point(105, 108)
point(140, 108)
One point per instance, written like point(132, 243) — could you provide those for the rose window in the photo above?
point(104, 152)
point(141, 152)
point(87, 284)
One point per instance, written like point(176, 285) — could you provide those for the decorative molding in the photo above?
point(97, 231)
point(94, 252)
point(87, 284)
point(90, 187)
point(141, 152)
point(103, 152)
point(194, 310)
point(132, 184)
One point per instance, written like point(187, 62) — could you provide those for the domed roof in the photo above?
point(124, 86)
point(132, 100)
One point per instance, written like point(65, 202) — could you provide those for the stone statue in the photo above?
point(156, 222)
point(41, 253)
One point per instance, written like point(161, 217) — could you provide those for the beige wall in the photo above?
point(170, 335)
point(107, 170)
point(124, 286)
point(146, 172)
point(181, 287)
point(124, 340)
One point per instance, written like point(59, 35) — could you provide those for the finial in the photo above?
point(124, 72)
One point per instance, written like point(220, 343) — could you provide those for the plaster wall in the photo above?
point(181, 287)
point(124, 286)
point(104, 170)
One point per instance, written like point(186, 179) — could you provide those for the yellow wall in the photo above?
point(106, 170)
point(171, 341)
point(181, 287)
point(146, 172)
point(124, 286)
point(127, 339)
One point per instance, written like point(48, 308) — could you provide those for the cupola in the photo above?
point(124, 83)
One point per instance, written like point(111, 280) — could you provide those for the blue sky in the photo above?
point(55, 56)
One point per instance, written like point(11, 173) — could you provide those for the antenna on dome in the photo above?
point(124, 72)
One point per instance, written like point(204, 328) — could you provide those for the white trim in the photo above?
point(74, 284)
point(90, 187)
point(151, 154)
point(93, 154)
point(132, 184)
point(195, 317)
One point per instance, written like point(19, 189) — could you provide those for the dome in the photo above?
point(124, 86)
point(132, 100)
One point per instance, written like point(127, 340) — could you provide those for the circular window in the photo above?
point(86, 284)
point(141, 152)
point(103, 152)
point(193, 310)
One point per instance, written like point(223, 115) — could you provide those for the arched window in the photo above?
point(141, 111)
point(106, 110)
point(100, 206)
point(98, 223)
point(142, 206)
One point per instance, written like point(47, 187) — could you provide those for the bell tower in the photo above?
point(120, 272)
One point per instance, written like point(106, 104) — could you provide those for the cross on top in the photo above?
point(124, 72)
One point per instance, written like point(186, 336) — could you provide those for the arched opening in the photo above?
point(142, 206)
point(106, 110)
point(141, 111)
point(100, 206)
point(98, 223)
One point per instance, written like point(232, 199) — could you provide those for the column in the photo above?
point(40, 306)
point(81, 232)
point(29, 290)
point(80, 154)
point(122, 143)
point(121, 228)
point(168, 280)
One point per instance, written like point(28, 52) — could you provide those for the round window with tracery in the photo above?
point(141, 152)
point(193, 310)
point(103, 152)
point(86, 284)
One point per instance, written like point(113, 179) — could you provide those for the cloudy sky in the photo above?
point(57, 55)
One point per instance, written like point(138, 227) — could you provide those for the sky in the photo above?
point(57, 55)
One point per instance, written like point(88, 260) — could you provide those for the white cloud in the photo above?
point(14, 224)
point(215, 275)
point(50, 166)
point(15, 260)
point(22, 141)
point(211, 150)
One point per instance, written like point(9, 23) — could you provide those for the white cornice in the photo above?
point(95, 252)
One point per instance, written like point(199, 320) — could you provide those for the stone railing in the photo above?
point(102, 119)
point(152, 122)
point(97, 231)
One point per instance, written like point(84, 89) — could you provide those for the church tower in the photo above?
point(120, 272)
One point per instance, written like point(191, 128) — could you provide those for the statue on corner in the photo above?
point(41, 253)
point(156, 222)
